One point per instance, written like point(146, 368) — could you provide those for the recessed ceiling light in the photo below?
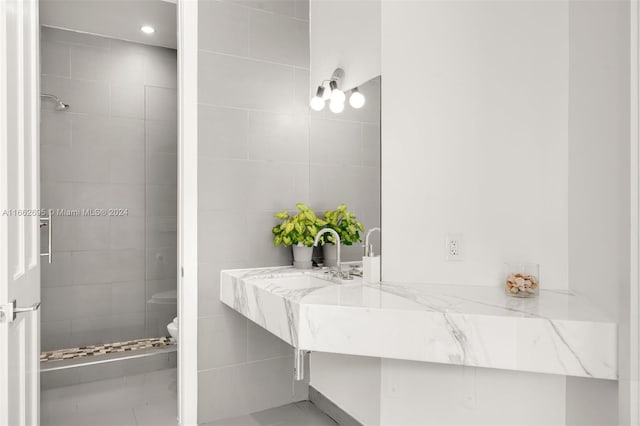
point(147, 29)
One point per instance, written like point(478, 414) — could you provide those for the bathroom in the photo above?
point(178, 139)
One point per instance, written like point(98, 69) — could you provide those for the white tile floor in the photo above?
point(150, 400)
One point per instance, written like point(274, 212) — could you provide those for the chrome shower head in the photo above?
point(60, 106)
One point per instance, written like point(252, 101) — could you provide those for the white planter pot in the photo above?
point(330, 254)
point(302, 256)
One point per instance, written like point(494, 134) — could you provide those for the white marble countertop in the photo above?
point(557, 332)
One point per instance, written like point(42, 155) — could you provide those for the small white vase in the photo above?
point(302, 256)
point(329, 254)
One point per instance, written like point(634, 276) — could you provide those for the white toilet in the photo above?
point(169, 297)
point(172, 328)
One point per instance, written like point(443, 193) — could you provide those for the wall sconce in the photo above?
point(335, 96)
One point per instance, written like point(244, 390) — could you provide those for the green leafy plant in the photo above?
point(301, 228)
point(345, 224)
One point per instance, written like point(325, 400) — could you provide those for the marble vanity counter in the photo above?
point(557, 332)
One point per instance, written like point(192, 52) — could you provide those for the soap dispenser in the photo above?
point(370, 262)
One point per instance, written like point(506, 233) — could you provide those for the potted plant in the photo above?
point(299, 232)
point(346, 225)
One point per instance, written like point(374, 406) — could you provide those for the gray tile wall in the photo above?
point(253, 147)
point(345, 162)
point(114, 148)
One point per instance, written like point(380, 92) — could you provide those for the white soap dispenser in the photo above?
point(370, 262)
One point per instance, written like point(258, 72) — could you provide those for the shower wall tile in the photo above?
point(278, 38)
point(127, 100)
point(161, 200)
point(88, 97)
point(161, 69)
point(278, 137)
point(229, 327)
point(161, 263)
point(224, 184)
point(253, 148)
point(127, 297)
point(73, 38)
point(161, 136)
point(115, 134)
point(55, 129)
point(162, 168)
point(126, 168)
point(91, 64)
point(106, 152)
point(126, 232)
point(161, 103)
point(261, 345)
point(58, 273)
point(280, 7)
point(223, 27)
point(244, 83)
point(54, 59)
point(222, 132)
point(162, 231)
point(301, 9)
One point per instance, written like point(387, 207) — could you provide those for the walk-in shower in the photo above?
point(108, 181)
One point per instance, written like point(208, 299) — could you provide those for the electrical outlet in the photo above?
point(453, 248)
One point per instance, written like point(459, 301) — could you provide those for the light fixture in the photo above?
point(337, 95)
point(356, 100)
point(317, 102)
point(147, 29)
point(336, 107)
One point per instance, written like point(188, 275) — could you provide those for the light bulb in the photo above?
point(356, 100)
point(337, 95)
point(316, 104)
point(147, 29)
point(336, 107)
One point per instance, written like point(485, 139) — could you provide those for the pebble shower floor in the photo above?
point(107, 348)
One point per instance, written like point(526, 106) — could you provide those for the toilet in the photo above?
point(169, 297)
point(172, 328)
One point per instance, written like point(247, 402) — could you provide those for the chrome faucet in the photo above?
point(368, 248)
point(338, 269)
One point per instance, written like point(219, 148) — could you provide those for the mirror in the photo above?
point(344, 162)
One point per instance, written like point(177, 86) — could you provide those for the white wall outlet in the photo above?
point(454, 248)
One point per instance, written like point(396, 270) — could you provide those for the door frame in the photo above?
point(629, 318)
point(187, 15)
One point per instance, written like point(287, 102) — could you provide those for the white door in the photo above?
point(19, 221)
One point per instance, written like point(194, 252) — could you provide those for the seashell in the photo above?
point(534, 280)
point(531, 291)
point(519, 281)
point(534, 285)
point(527, 283)
point(513, 290)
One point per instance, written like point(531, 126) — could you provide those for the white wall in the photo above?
point(351, 382)
point(503, 124)
point(474, 139)
point(417, 393)
point(345, 34)
point(598, 179)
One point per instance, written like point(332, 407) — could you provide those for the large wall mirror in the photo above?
point(345, 162)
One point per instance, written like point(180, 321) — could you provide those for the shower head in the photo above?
point(60, 106)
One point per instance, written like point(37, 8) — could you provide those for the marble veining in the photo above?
point(558, 332)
